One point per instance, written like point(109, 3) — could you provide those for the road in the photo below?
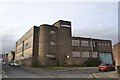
point(19, 72)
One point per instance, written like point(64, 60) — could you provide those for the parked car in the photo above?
point(11, 64)
point(16, 65)
point(106, 67)
point(4, 63)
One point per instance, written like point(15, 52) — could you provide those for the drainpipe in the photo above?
point(91, 47)
point(118, 66)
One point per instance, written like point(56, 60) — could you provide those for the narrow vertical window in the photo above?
point(75, 43)
point(52, 32)
point(52, 43)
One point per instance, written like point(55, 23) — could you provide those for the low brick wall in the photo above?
point(26, 63)
point(118, 69)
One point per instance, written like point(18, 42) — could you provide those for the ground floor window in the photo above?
point(76, 54)
point(85, 54)
point(94, 54)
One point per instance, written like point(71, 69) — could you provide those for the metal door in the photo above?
point(106, 58)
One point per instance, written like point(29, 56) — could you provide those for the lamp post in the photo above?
point(91, 46)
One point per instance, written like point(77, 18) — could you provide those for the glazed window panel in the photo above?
point(95, 55)
point(52, 43)
point(85, 54)
point(52, 32)
point(76, 54)
point(75, 43)
point(92, 43)
point(64, 25)
point(84, 43)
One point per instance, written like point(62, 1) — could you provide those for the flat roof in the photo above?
point(90, 38)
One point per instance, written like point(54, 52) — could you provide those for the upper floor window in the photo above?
point(64, 25)
point(92, 43)
point(52, 32)
point(52, 43)
point(26, 44)
point(84, 43)
point(99, 44)
point(102, 44)
point(94, 54)
point(75, 42)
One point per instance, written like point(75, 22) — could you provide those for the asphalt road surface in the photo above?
point(19, 72)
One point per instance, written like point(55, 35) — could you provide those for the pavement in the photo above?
point(111, 74)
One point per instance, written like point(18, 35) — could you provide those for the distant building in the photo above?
point(5, 57)
point(116, 53)
point(53, 45)
point(11, 56)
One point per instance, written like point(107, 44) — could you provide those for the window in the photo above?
point(75, 42)
point(52, 43)
point(102, 44)
point(84, 43)
point(85, 54)
point(92, 43)
point(52, 32)
point(52, 55)
point(26, 44)
point(108, 44)
point(99, 44)
point(65, 25)
point(94, 55)
point(76, 54)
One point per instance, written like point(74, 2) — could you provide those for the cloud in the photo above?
point(100, 32)
point(87, 19)
point(8, 43)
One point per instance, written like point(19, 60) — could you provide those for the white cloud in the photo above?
point(18, 17)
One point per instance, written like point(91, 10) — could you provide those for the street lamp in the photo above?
point(91, 45)
point(68, 56)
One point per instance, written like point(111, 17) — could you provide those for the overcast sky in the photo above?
point(89, 19)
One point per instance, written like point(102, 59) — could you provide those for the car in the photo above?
point(16, 65)
point(106, 67)
point(4, 63)
point(11, 64)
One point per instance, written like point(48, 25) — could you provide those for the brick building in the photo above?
point(5, 57)
point(83, 48)
point(54, 45)
point(9, 57)
point(116, 53)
